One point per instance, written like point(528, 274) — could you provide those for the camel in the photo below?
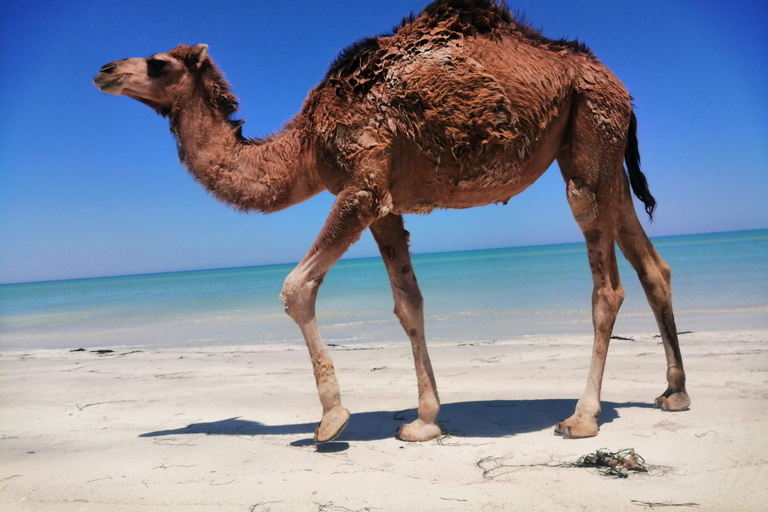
point(460, 106)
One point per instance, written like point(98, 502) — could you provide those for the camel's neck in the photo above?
point(265, 175)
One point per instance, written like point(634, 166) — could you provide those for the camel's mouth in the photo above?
point(108, 84)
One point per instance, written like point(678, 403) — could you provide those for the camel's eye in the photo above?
point(155, 67)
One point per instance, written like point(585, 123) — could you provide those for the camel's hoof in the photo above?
point(679, 401)
point(575, 429)
point(332, 425)
point(418, 431)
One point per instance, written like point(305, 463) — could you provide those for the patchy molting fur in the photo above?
point(469, 94)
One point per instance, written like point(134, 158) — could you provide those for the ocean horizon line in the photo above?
point(719, 280)
point(361, 258)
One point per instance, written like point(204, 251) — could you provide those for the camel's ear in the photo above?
point(198, 55)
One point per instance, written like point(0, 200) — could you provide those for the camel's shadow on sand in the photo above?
point(489, 418)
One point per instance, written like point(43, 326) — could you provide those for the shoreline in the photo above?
point(229, 427)
point(248, 329)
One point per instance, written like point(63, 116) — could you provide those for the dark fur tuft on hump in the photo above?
point(475, 16)
point(352, 56)
point(499, 9)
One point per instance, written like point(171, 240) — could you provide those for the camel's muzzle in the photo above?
point(107, 83)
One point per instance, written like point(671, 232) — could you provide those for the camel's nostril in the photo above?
point(108, 68)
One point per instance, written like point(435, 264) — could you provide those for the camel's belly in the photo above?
point(415, 198)
point(419, 184)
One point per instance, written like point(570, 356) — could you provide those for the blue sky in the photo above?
point(90, 184)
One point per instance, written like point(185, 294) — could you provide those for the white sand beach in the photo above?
point(230, 428)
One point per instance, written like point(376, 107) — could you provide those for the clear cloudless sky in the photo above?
point(90, 184)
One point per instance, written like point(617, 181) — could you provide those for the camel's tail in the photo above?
point(636, 176)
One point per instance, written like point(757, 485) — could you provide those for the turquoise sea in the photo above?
point(720, 282)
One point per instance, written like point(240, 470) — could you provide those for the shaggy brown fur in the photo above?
point(460, 106)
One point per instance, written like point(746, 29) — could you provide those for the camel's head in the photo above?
point(157, 80)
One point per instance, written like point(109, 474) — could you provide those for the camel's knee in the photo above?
point(666, 271)
point(608, 298)
point(620, 295)
point(299, 294)
point(605, 306)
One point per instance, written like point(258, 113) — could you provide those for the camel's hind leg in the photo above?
point(592, 179)
point(655, 276)
point(392, 239)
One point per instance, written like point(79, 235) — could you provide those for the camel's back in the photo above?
point(463, 88)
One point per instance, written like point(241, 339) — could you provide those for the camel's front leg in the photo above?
point(392, 240)
point(351, 214)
